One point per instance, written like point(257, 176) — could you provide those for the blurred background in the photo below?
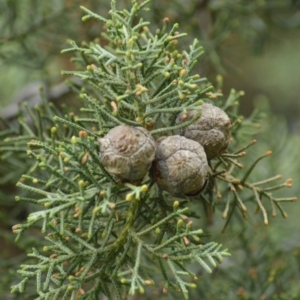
point(254, 45)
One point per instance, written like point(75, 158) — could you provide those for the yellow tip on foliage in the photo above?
point(268, 153)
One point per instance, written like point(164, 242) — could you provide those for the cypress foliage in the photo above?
point(99, 235)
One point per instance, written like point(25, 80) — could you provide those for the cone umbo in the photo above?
point(211, 130)
point(180, 166)
point(127, 152)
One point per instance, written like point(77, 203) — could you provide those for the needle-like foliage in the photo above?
point(103, 236)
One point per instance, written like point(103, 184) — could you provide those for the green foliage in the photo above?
point(101, 236)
